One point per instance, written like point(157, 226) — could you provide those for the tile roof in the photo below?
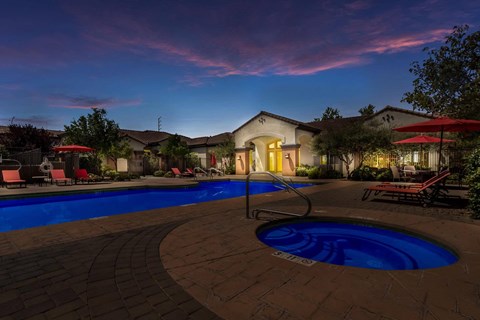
point(54, 133)
point(211, 140)
point(301, 125)
point(147, 136)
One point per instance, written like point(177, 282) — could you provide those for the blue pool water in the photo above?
point(355, 245)
point(24, 213)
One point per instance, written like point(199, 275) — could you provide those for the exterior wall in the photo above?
point(393, 119)
point(242, 160)
point(265, 126)
point(203, 155)
point(305, 153)
point(290, 159)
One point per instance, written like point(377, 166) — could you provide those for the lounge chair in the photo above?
point(58, 175)
point(12, 177)
point(179, 174)
point(425, 193)
point(82, 176)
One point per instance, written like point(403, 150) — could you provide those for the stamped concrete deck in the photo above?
point(204, 262)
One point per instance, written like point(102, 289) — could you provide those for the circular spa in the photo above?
point(355, 244)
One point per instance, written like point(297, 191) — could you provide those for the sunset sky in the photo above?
point(205, 67)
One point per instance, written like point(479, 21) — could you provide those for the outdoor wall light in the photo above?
point(239, 158)
point(287, 156)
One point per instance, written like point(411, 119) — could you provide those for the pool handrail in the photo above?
point(199, 170)
point(215, 170)
point(256, 212)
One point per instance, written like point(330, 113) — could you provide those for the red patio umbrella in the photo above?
point(213, 160)
point(421, 139)
point(441, 125)
point(72, 148)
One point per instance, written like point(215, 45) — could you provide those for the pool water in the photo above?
point(24, 213)
point(355, 245)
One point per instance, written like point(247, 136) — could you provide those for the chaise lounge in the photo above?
point(179, 174)
point(82, 176)
point(425, 193)
point(58, 175)
point(12, 177)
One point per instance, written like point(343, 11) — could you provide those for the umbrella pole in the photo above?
point(440, 151)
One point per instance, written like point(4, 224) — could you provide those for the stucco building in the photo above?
point(270, 142)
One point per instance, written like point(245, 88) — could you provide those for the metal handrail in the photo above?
point(198, 169)
point(215, 170)
point(256, 212)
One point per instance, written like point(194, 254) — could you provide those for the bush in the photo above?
point(473, 180)
point(159, 173)
point(302, 170)
point(363, 173)
point(384, 174)
point(112, 174)
point(169, 174)
point(230, 169)
point(332, 174)
point(313, 173)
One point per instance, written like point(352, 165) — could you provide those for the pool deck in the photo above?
point(203, 261)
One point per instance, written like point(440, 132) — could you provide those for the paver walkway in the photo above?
point(116, 276)
point(204, 262)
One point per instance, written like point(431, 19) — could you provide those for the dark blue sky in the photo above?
point(206, 67)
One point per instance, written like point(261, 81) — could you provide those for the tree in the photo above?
point(119, 150)
point(226, 152)
point(367, 110)
point(27, 137)
point(448, 81)
point(175, 149)
point(353, 138)
point(329, 113)
point(94, 131)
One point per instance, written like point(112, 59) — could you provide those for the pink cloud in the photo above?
point(406, 42)
point(237, 38)
point(83, 102)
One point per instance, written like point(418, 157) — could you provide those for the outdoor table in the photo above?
point(40, 180)
point(423, 175)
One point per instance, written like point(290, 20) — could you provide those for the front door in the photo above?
point(274, 152)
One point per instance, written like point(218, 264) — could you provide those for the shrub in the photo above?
point(332, 174)
point(302, 170)
point(363, 173)
point(169, 174)
point(313, 173)
point(384, 174)
point(230, 169)
point(159, 173)
point(473, 180)
point(112, 174)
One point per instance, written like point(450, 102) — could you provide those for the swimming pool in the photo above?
point(30, 212)
point(356, 245)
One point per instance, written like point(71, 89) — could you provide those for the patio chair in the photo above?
point(13, 177)
point(425, 193)
point(58, 175)
point(409, 173)
point(82, 176)
point(396, 174)
point(179, 174)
